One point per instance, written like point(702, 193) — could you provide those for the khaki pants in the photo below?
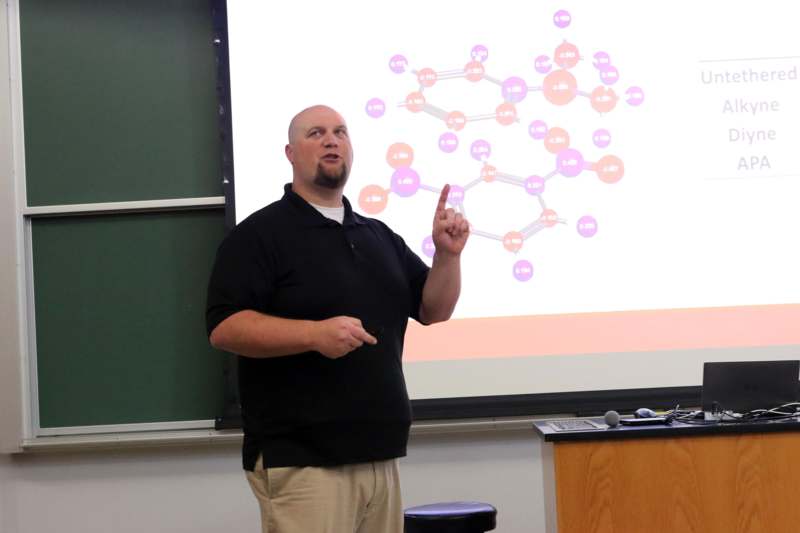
point(358, 498)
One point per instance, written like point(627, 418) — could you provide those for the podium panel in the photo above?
point(723, 483)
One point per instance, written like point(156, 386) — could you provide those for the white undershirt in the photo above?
point(333, 213)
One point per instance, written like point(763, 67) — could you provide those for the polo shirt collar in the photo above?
point(312, 217)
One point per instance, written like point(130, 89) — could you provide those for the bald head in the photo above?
point(305, 118)
point(321, 155)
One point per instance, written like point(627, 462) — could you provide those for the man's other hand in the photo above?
point(338, 336)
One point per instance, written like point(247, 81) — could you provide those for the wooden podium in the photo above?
point(678, 478)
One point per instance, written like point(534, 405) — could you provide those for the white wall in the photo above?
point(11, 346)
point(501, 467)
point(203, 490)
point(124, 491)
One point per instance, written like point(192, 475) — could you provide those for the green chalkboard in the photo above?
point(120, 329)
point(119, 100)
point(120, 105)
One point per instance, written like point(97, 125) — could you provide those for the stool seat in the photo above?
point(451, 517)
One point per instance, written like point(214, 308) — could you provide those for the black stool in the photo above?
point(450, 517)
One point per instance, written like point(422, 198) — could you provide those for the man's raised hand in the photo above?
point(450, 229)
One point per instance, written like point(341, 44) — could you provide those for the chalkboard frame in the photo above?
point(27, 215)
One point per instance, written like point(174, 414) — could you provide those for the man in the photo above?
point(315, 299)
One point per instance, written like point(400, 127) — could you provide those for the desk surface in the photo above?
point(676, 429)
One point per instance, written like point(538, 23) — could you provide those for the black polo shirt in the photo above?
point(288, 260)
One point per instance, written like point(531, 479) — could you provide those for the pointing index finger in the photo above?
point(441, 206)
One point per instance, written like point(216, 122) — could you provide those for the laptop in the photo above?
point(743, 386)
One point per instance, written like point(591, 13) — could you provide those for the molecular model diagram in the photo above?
point(559, 87)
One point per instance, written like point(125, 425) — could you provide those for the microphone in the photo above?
point(611, 418)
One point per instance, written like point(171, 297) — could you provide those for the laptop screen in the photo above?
point(742, 386)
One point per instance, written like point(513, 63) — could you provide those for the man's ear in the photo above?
point(289, 153)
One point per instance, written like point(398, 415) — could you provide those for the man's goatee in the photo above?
point(331, 180)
